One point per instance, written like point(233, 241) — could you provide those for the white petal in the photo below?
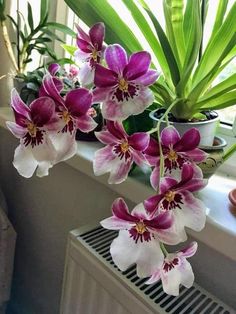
point(147, 255)
point(43, 168)
point(114, 223)
point(65, 146)
point(86, 75)
point(24, 161)
point(171, 281)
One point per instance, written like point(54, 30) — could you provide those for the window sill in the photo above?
point(220, 230)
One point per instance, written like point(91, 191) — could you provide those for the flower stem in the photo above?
point(164, 250)
point(229, 152)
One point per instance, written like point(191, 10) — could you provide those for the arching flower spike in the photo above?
point(123, 87)
point(120, 153)
point(175, 270)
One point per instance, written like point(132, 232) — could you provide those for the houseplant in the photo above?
point(188, 67)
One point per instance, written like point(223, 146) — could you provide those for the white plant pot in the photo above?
point(206, 128)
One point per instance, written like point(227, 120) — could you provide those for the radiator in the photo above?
point(93, 285)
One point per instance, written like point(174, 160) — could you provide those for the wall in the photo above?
point(43, 211)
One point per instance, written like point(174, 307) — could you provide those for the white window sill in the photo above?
point(220, 230)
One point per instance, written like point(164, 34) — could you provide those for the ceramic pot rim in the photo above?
point(221, 145)
point(152, 116)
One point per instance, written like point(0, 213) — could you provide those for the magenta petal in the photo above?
point(139, 141)
point(42, 110)
point(137, 66)
point(97, 33)
point(84, 45)
point(53, 68)
point(189, 140)
point(18, 105)
point(196, 155)
point(161, 221)
point(190, 250)
point(148, 78)
point(121, 211)
point(104, 77)
point(187, 172)
point(116, 58)
point(151, 204)
point(106, 137)
point(100, 94)
point(17, 130)
point(78, 101)
point(20, 119)
point(51, 89)
point(116, 129)
point(86, 123)
point(154, 178)
point(58, 83)
point(169, 136)
point(193, 185)
point(82, 33)
point(166, 184)
point(139, 158)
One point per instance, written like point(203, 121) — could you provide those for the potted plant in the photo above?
point(30, 37)
point(186, 87)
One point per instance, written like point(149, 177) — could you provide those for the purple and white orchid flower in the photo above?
point(139, 236)
point(33, 126)
point(123, 87)
point(176, 151)
point(177, 198)
point(73, 113)
point(175, 270)
point(120, 153)
point(90, 51)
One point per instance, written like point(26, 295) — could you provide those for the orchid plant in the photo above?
point(46, 129)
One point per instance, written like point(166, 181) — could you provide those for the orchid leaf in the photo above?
point(44, 7)
point(70, 49)
point(170, 58)
point(221, 10)
point(2, 10)
point(223, 101)
point(216, 48)
point(92, 11)
point(30, 17)
point(60, 27)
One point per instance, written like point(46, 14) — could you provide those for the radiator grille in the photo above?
point(190, 301)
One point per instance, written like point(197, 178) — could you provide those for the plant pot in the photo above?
point(206, 128)
point(215, 156)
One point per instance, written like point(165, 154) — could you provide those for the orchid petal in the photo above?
point(42, 110)
point(84, 45)
point(45, 151)
point(114, 223)
point(17, 130)
point(137, 66)
point(151, 204)
point(116, 58)
point(166, 184)
point(196, 155)
point(100, 94)
point(53, 68)
point(78, 101)
point(86, 123)
point(105, 77)
point(125, 252)
point(82, 33)
point(102, 160)
point(106, 137)
point(116, 129)
point(24, 161)
point(18, 105)
point(51, 89)
point(147, 79)
point(86, 75)
point(97, 33)
point(113, 110)
point(119, 171)
point(139, 158)
point(43, 168)
point(81, 56)
point(154, 177)
point(120, 210)
point(189, 140)
point(169, 136)
point(193, 185)
point(65, 145)
point(139, 141)
point(189, 250)
point(156, 276)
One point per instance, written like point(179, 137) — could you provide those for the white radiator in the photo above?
point(93, 284)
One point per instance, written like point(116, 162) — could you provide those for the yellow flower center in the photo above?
point(123, 85)
point(32, 129)
point(140, 227)
point(66, 116)
point(94, 55)
point(124, 147)
point(170, 196)
point(172, 155)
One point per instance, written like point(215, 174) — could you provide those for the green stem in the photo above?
point(164, 251)
point(229, 152)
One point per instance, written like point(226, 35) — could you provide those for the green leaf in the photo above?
point(221, 102)
point(93, 11)
point(221, 10)
point(63, 61)
point(2, 10)
point(43, 11)
point(60, 27)
point(170, 58)
point(51, 34)
point(216, 48)
point(70, 49)
point(30, 17)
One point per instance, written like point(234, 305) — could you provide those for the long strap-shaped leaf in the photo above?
point(92, 11)
point(223, 101)
point(170, 58)
point(221, 10)
point(216, 48)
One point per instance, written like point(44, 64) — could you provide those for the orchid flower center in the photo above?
point(140, 227)
point(66, 116)
point(172, 155)
point(170, 196)
point(124, 146)
point(32, 129)
point(94, 55)
point(123, 85)
point(167, 266)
